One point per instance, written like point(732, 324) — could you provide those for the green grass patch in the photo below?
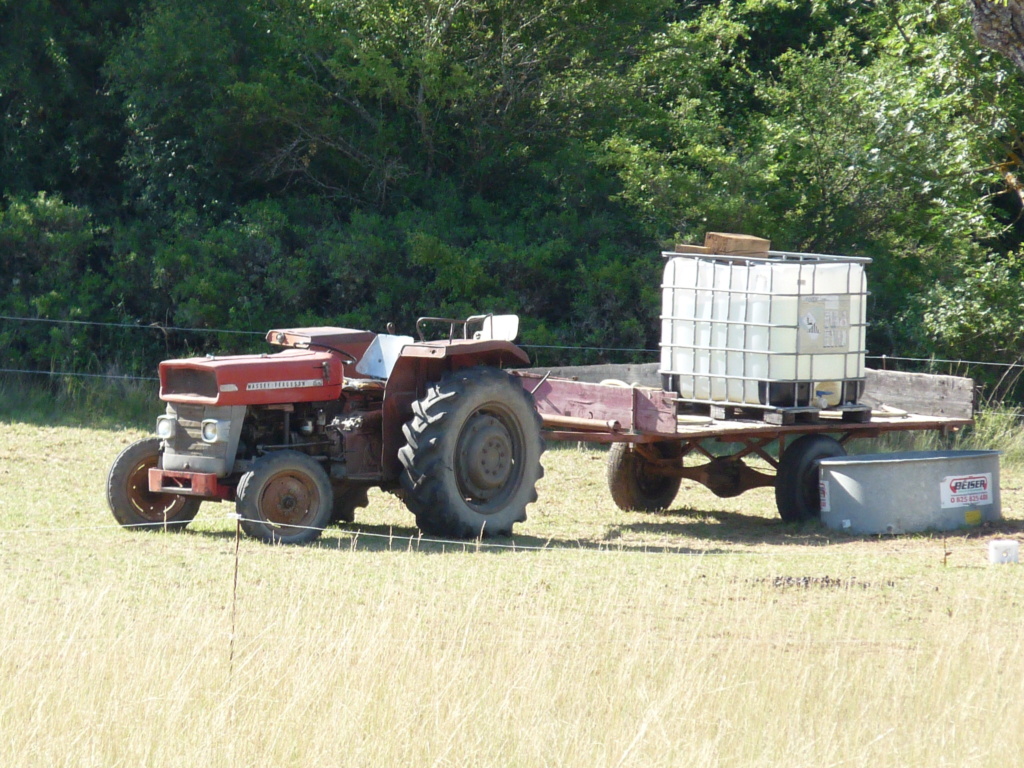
point(996, 428)
point(73, 401)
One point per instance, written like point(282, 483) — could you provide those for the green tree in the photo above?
point(191, 145)
point(59, 130)
point(46, 248)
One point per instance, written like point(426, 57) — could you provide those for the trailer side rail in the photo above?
point(652, 432)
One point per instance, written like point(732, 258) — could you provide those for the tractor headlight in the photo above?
point(215, 431)
point(165, 427)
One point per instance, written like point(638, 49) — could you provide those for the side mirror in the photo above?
point(499, 327)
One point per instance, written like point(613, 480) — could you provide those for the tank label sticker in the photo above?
point(824, 496)
point(291, 384)
point(966, 490)
point(823, 323)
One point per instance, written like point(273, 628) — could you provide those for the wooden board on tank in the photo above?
point(728, 244)
point(700, 250)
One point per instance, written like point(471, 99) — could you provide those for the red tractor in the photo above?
point(296, 438)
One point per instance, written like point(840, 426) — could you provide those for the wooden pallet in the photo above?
point(782, 417)
point(776, 416)
point(854, 414)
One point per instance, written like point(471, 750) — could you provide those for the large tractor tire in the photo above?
point(285, 498)
point(472, 455)
point(634, 487)
point(797, 494)
point(130, 499)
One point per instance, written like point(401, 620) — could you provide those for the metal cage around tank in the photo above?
point(782, 330)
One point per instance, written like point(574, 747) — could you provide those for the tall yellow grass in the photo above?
point(624, 644)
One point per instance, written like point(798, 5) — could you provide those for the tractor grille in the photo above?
point(189, 381)
point(188, 437)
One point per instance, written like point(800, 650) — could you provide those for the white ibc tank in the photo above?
point(785, 330)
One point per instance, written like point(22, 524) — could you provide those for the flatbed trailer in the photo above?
point(657, 439)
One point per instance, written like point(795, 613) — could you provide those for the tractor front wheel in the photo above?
point(472, 455)
point(130, 499)
point(285, 498)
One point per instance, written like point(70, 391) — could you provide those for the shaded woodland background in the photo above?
point(244, 165)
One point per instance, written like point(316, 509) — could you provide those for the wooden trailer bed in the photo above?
point(652, 431)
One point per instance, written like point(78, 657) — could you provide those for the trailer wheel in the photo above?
point(796, 484)
point(286, 498)
point(131, 501)
point(347, 499)
point(634, 487)
point(472, 455)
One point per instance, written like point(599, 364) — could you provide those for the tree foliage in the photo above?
point(238, 165)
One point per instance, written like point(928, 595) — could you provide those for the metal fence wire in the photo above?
point(959, 364)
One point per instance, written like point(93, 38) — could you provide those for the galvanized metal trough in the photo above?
point(911, 491)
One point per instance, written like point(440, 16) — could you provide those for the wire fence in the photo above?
point(80, 375)
point(134, 326)
point(403, 540)
point(958, 364)
point(415, 541)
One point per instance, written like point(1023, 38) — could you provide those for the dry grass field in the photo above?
point(713, 634)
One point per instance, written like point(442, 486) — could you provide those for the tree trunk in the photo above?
point(999, 25)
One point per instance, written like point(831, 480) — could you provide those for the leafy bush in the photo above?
point(234, 166)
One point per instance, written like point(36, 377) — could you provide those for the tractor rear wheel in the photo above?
point(285, 498)
point(472, 456)
point(634, 484)
point(131, 501)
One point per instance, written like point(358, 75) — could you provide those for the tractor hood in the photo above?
point(285, 377)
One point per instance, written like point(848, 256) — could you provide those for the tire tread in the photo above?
point(424, 469)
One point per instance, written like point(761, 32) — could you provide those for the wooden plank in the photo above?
point(783, 417)
point(728, 431)
point(742, 431)
point(585, 406)
point(655, 411)
point(646, 375)
point(722, 412)
point(578, 400)
point(697, 249)
point(736, 245)
point(920, 393)
point(858, 414)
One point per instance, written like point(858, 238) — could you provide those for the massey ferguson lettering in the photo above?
point(293, 384)
point(966, 490)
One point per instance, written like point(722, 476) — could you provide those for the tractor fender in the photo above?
point(419, 365)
